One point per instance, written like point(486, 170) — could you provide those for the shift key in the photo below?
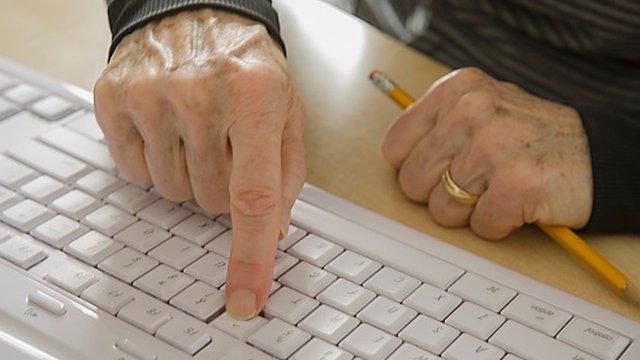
point(593, 339)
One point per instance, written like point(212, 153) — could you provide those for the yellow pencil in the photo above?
point(566, 238)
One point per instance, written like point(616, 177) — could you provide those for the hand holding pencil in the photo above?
point(471, 148)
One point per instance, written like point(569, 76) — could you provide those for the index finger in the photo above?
point(255, 202)
point(414, 123)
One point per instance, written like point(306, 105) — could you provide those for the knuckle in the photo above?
point(477, 101)
point(406, 182)
point(254, 201)
point(136, 94)
point(471, 74)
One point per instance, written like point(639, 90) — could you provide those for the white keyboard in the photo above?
point(95, 268)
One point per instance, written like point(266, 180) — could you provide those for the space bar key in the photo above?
point(527, 343)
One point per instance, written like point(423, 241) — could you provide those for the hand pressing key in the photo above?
point(201, 104)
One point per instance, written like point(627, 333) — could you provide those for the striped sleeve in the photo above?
point(127, 15)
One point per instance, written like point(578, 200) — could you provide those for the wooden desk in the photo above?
point(331, 54)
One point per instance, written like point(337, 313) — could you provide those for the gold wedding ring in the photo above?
point(456, 191)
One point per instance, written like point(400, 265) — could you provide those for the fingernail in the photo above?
point(242, 305)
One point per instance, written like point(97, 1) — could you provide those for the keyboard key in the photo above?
point(242, 352)
point(475, 320)
point(466, 347)
point(432, 301)
point(75, 204)
point(7, 108)
point(108, 220)
point(482, 291)
point(387, 315)
point(49, 160)
point(283, 262)
point(99, 183)
point(530, 344)
point(200, 300)
point(240, 330)
point(21, 253)
point(315, 250)
point(87, 126)
point(109, 295)
point(289, 305)
point(193, 206)
point(317, 349)
point(26, 215)
point(222, 244)
point(329, 324)
point(420, 265)
point(6, 81)
point(408, 351)
point(142, 236)
point(128, 264)
point(536, 314)
point(164, 213)
point(211, 268)
point(52, 108)
point(92, 247)
point(353, 267)
point(50, 304)
point(131, 198)
point(370, 343)
point(43, 189)
point(294, 234)
point(145, 313)
point(225, 219)
point(429, 334)
point(71, 277)
point(392, 284)
point(593, 338)
point(23, 94)
point(8, 198)
point(13, 174)
point(307, 279)
point(187, 335)
point(198, 229)
point(511, 357)
point(81, 147)
point(177, 252)
point(279, 338)
point(163, 282)
point(346, 296)
point(59, 231)
point(633, 352)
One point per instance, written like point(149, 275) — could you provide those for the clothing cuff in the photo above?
point(615, 162)
point(125, 16)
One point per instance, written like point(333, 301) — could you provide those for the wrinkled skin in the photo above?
point(201, 105)
point(527, 158)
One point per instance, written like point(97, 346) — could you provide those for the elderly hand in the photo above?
point(201, 104)
point(527, 158)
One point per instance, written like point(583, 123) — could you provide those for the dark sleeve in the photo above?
point(127, 15)
point(614, 142)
